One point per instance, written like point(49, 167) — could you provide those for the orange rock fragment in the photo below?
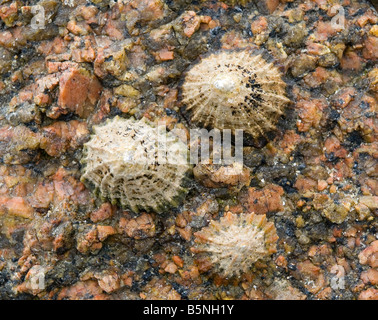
point(104, 232)
point(216, 176)
point(310, 113)
point(62, 136)
point(324, 30)
point(165, 55)
point(78, 91)
point(281, 261)
point(178, 261)
point(271, 4)
point(322, 185)
point(185, 233)
point(138, 228)
point(369, 294)
point(149, 10)
point(113, 29)
point(351, 61)
point(171, 268)
point(127, 278)
point(109, 282)
point(370, 276)
point(259, 25)
point(289, 141)
point(82, 290)
point(78, 27)
point(42, 196)
point(192, 23)
point(87, 241)
point(104, 212)
point(265, 200)
point(367, 17)
point(344, 97)
point(88, 13)
point(333, 145)
point(370, 255)
point(16, 206)
point(370, 51)
point(312, 275)
point(305, 184)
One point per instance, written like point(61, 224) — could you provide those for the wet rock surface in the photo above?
point(314, 178)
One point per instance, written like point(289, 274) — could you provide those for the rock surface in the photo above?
point(314, 177)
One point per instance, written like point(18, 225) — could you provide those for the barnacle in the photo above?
point(136, 165)
point(235, 90)
point(235, 242)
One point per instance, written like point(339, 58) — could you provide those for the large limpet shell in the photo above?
point(122, 163)
point(235, 90)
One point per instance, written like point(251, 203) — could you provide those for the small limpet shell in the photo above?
point(237, 241)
